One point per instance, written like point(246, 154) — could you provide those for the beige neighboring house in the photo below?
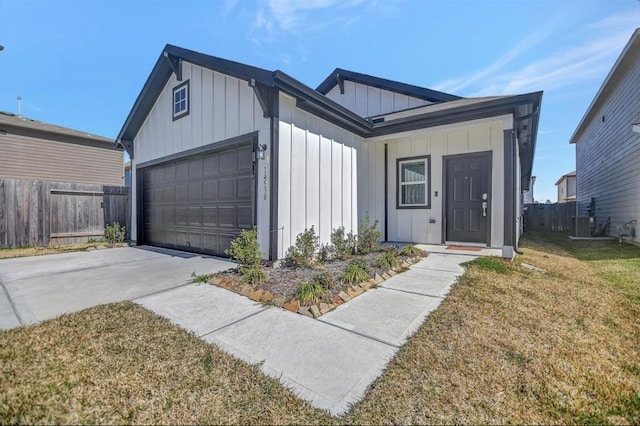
point(40, 151)
point(567, 188)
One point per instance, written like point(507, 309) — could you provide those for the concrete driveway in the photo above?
point(43, 287)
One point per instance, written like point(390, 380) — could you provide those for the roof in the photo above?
point(629, 56)
point(563, 177)
point(448, 109)
point(13, 120)
point(338, 76)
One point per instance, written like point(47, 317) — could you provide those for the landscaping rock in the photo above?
point(267, 297)
point(352, 293)
point(279, 300)
point(386, 276)
point(215, 280)
point(344, 296)
point(315, 311)
point(226, 283)
point(357, 290)
point(292, 306)
point(337, 300)
point(256, 294)
point(245, 290)
point(365, 285)
point(378, 279)
point(305, 311)
point(391, 272)
point(324, 308)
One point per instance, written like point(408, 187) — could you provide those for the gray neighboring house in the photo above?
point(36, 150)
point(608, 148)
point(566, 187)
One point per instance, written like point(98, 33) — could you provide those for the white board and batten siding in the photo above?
point(221, 107)
point(317, 176)
point(368, 101)
point(608, 158)
point(412, 225)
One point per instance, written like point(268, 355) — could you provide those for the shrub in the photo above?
point(343, 244)
point(311, 293)
point(245, 249)
point(410, 250)
point(303, 252)
point(386, 260)
point(325, 279)
point(115, 233)
point(355, 272)
point(325, 252)
point(253, 276)
point(368, 237)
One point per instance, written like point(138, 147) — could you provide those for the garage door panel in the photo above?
point(244, 217)
point(199, 203)
point(227, 189)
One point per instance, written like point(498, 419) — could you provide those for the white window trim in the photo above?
point(183, 86)
point(426, 160)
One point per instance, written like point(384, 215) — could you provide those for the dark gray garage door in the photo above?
point(199, 203)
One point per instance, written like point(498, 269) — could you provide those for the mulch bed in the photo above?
point(283, 280)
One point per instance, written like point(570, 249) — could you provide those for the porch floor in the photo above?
point(437, 248)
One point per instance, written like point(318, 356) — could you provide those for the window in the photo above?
point(181, 100)
point(413, 183)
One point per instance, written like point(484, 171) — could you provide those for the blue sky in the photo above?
point(81, 63)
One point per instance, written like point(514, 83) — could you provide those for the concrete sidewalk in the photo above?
point(330, 361)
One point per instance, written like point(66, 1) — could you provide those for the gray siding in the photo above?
point(608, 156)
point(29, 155)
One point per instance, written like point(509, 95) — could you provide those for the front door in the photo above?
point(468, 197)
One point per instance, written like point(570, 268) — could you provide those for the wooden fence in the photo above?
point(40, 213)
point(550, 217)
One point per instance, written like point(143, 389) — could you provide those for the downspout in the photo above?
point(514, 167)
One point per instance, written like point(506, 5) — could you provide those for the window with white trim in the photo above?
point(413, 182)
point(181, 100)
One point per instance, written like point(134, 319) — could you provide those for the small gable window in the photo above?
point(413, 182)
point(181, 100)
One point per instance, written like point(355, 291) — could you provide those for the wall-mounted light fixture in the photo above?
point(262, 148)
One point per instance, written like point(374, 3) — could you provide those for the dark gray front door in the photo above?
point(199, 203)
point(468, 180)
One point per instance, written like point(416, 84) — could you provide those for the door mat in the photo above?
point(465, 248)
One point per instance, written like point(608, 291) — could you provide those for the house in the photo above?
point(217, 146)
point(566, 186)
point(608, 149)
point(527, 196)
point(127, 174)
point(40, 151)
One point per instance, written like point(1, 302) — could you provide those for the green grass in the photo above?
point(519, 347)
point(311, 293)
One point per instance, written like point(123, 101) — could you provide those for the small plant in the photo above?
point(311, 293)
point(325, 279)
point(325, 253)
point(303, 252)
point(386, 260)
point(368, 237)
point(245, 249)
point(114, 233)
point(253, 276)
point(200, 278)
point(97, 240)
point(490, 264)
point(343, 243)
point(355, 272)
point(410, 250)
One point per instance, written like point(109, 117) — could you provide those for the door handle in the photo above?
point(484, 208)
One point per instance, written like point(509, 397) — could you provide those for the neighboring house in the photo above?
point(608, 148)
point(127, 174)
point(40, 151)
point(566, 186)
point(217, 146)
point(527, 196)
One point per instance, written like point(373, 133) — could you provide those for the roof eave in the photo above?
point(632, 44)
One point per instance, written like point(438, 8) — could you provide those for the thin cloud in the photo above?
point(583, 62)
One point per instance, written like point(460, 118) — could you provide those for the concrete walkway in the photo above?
point(330, 361)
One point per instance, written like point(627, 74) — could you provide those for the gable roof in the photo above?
point(448, 109)
point(563, 177)
point(339, 75)
point(629, 56)
point(18, 121)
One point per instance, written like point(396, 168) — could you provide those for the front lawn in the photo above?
point(508, 345)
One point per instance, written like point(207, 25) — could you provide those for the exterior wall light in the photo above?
point(262, 148)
